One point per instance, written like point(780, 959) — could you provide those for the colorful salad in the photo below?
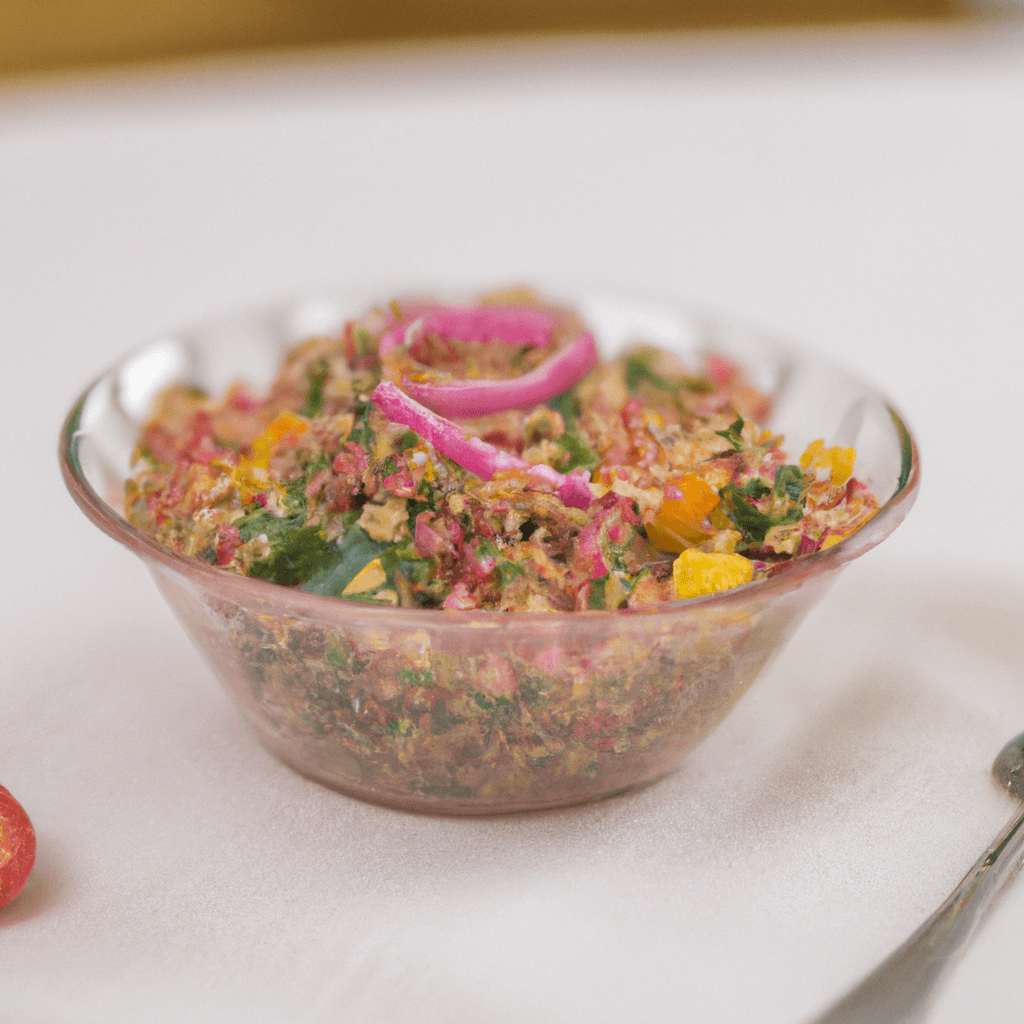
point(485, 457)
point(430, 459)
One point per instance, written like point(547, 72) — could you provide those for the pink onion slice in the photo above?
point(521, 325)
point(575, 490)
point(515, 325)
point(465, 399)
point(479, 457)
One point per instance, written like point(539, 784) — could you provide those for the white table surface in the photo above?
point(861, 191)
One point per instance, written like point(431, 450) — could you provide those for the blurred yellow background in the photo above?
point(44, 35)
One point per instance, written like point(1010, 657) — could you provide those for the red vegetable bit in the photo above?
point(721, 371)
point(589, 556)
point(240, 399)
point(400, 484)
point(575, 490)
point(17, 847)
point(461, 598)
point(228, 542)
point(443, 538)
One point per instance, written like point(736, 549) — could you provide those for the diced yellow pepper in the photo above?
point(841, 464)
point(370, 577)
point(838, 461)
point(812, 452)
point(700, 572)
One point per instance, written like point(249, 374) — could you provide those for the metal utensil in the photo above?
point(899, 990)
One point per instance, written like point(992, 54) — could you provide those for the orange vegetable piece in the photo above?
point(285, 424)
point(677, 525)
point(250, 474)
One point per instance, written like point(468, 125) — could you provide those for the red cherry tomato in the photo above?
point(17, 847)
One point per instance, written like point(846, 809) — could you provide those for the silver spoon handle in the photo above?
point(899, 989)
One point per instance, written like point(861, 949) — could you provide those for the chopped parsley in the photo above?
point(352, 553)
point(750, 520)
point(789, 483)
point(316, 376)
point(638, 369)
point(732, 434)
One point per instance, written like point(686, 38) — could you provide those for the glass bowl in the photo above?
point(472, 712)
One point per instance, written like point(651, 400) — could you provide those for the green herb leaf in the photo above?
point(638, 368)
point(293, 557)
point(752, 521)
point(425, 501)
point(789, 482)
point(277, 528)
point(596, 599)
point(486, 548)
point(581, 455)
point(756, 489)
point(508, 571)
point(351, 555)
point(567, 404)
point(732, 434)
point(362, 342)
point(906, 451)
point(361, 433)
point(316, 375)
point(416, 570)
point(698, 386)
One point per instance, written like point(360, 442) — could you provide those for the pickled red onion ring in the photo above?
point(521, 325)
point(476, 456)
point(469, 398)
point(515, 325)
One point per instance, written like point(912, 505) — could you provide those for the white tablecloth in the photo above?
point(861, 191)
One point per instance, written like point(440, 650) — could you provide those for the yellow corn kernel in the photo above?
point(700, 572)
